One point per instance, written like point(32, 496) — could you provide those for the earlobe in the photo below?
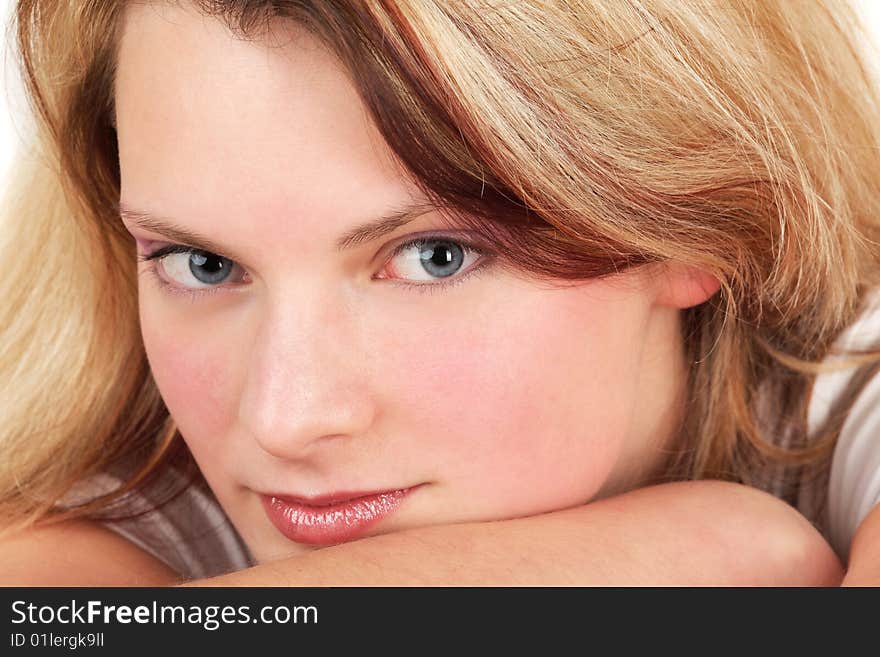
point(684, 286)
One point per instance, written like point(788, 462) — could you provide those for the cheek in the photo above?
point(193, 368)
point(525, 404)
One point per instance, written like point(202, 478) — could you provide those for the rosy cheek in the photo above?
point(191, 372)
point(532, 393)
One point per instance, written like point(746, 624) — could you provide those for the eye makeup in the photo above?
point(153, 259)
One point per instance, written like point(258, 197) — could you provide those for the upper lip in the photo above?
point(329, 499)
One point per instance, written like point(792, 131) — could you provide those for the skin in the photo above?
point(864, 558)
point(318, 371)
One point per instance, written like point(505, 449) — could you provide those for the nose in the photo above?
point(306, 378)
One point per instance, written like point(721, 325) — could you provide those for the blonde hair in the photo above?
point(582, 137)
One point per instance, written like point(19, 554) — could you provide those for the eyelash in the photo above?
point(151, 259)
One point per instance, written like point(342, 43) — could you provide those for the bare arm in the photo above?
point(864, 558)
point(78, 553)
point(689, 533)
point(692, 533)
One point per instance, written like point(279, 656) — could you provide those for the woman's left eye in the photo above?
point(431, 259)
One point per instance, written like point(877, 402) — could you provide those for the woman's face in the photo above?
point(376, 387)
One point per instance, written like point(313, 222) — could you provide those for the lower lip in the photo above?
point(333, 523)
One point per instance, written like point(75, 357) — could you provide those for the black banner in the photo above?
point(116, 621)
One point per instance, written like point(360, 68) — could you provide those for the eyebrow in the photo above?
point(358, 235)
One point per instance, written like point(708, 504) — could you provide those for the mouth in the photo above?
point(333, 518)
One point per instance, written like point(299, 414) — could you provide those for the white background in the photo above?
point(12, 125)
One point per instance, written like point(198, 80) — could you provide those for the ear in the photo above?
point(683, 286)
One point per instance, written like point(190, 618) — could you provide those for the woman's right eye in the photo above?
point(189, 268)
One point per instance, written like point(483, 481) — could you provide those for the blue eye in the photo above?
point(441, 259)
point(428, 259)
point(192, 268)
point(208, 268)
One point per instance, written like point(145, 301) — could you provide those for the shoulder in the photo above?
point(78, 553)
point(863, 568)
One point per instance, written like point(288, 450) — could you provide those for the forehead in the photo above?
point(218, 126)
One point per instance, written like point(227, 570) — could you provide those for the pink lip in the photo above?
point(332, 518)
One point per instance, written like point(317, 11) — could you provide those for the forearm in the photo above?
point(691, 533)
point(77, 553)
point(864, 560)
